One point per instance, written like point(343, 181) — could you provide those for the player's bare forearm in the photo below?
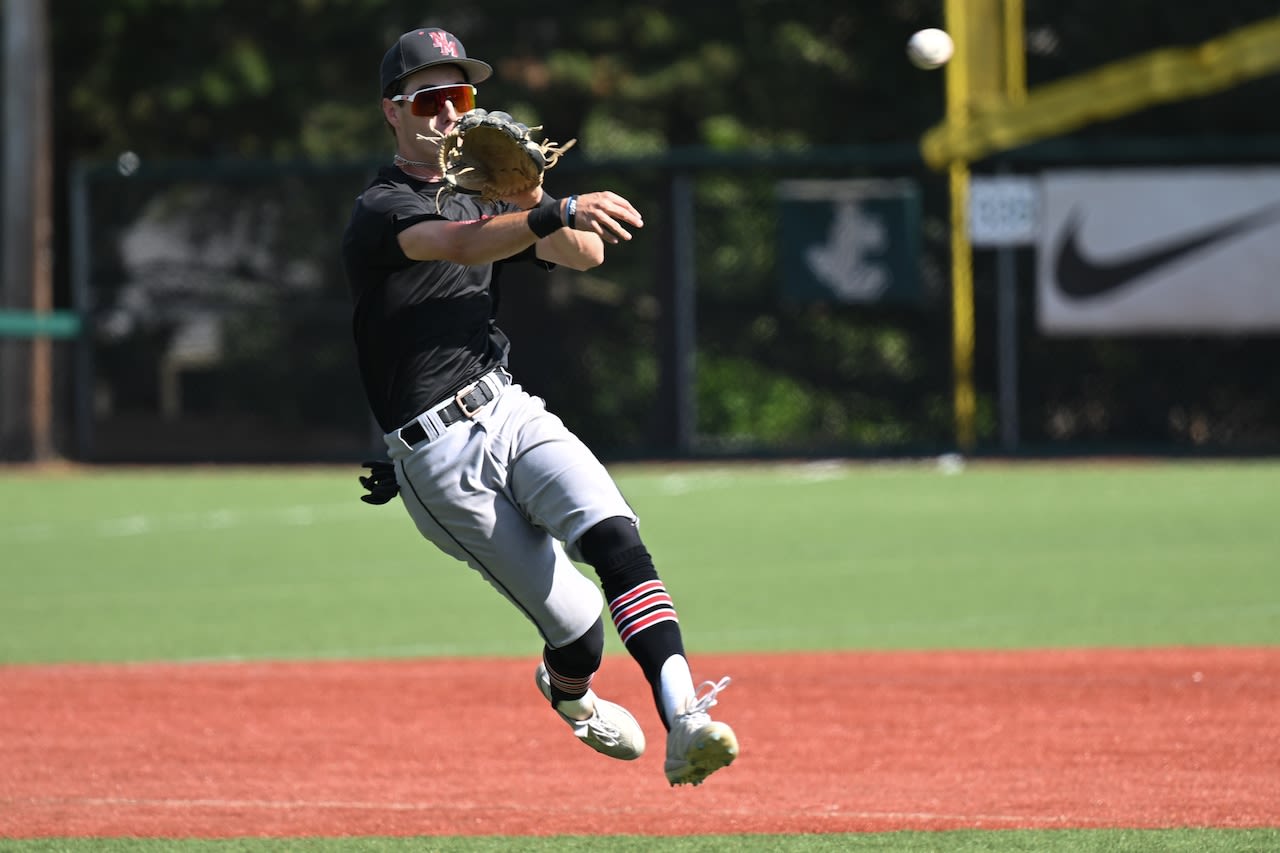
point(577, 250)
point(480, 241)
point(599, 217)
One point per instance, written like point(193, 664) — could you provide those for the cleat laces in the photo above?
point(606, 733)
point(704, 703)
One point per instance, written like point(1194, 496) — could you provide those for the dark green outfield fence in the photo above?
point(214, 324)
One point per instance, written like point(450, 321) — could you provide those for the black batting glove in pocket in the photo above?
point(381, 482)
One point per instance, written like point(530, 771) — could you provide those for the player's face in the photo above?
point(438, 108)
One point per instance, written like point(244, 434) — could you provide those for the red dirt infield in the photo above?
point(832, 742)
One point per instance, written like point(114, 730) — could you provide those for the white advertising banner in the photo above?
point(1159, 251)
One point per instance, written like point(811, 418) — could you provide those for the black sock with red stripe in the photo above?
point(639, 604)
point(571, 667)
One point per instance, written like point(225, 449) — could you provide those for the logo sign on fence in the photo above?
point(1160, 250)
point(854, 241)
point(1004, 211)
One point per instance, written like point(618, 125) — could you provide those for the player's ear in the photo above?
point(390, 112)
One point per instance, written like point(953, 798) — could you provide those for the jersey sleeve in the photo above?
point(382, 212)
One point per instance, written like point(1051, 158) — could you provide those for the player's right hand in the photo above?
point(606, 214)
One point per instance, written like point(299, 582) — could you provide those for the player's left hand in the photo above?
point(381, 482)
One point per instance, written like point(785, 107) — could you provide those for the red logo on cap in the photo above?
point(444, 44)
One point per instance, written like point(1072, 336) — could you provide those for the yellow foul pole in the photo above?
point(988, 72)
point(1015, 52)
point(962, 328)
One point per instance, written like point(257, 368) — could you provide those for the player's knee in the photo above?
point(614, 549)
point(583, 655)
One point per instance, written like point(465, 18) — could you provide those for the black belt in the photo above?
point(464, 404)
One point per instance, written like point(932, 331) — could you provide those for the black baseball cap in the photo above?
point(424, 47)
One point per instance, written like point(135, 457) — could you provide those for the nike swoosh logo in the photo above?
point(1080, 277)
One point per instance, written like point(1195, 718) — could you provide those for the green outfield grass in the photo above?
point(221, 563)
point(288, 563)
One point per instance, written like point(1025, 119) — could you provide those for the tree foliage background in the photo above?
point(298, 78)
point(289, 81)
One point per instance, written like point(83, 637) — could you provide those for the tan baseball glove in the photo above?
point(492, 155)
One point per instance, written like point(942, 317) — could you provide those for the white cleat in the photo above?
point(697, 745)
point(610, 730)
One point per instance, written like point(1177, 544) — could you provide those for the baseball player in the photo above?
point(486, 473)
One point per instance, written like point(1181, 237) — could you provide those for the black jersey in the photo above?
point(423, 329)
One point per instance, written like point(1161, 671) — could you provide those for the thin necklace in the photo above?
point(405, 161)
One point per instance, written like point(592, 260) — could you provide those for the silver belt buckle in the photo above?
point(458, 398)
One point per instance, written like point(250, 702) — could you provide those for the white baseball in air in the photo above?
point(127, 163)
point(930, 48)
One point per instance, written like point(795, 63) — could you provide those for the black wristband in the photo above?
point(548, 200)
point(544, 220)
